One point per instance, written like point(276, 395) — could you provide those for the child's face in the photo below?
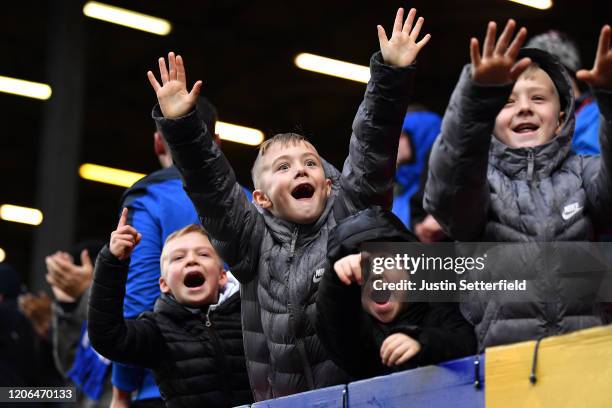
point(384, 312)
point(192, 270)
point(293, 183)
point(531, 116)
point(384, 306)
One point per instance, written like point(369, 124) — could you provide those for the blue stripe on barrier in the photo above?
point(448, 385)
point(330, 397)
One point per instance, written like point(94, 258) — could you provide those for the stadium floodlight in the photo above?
point(24, 215)
point(109, 175)
point(539, 4)
point(127, 18)
point(333, 67)
point(239, 134)
point(28, 89)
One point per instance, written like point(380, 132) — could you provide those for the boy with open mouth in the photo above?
point(193, 339)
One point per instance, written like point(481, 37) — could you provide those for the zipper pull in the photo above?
point(208, 323)
point(530, 164)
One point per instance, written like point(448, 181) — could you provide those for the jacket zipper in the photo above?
point(530, 164)
point(220, 357)
point(299, 342)
point(294, 236)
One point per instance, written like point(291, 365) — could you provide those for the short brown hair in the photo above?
point(284, 139)
point(179, 233)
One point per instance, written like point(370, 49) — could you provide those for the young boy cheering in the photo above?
point(501, 170)
point(192, 340)
point(277, 249)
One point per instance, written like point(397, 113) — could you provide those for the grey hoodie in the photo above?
point(479, 189)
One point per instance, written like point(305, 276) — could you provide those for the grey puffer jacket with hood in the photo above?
point(479, 189)
point(279, 263)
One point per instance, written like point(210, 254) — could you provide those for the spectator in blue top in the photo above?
point(419, 131)
point(158, 205)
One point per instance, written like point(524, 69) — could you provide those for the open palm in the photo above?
point(601, 74)
point(497, 65)
point(172, 95)
point(402, 48)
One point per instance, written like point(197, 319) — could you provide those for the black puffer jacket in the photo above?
point(353, 337)
point(479, 189)
point(278, 263)
point(197, 357)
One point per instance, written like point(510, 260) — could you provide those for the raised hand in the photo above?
point(402, 48)
point(124, 239)
point(498, 64)
point(67, 279)
point(172, 95)
point(601, 74)
point(398, 348)
point(348, 269)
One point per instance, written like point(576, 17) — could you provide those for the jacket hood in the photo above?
point(548, 156)
point(370, 225)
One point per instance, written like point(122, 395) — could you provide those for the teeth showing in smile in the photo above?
point(525, 127)
point(304, 190)
point(194, 279)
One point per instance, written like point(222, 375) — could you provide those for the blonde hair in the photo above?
point(179, 233)
point(282, 139)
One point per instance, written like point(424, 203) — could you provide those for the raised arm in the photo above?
point(457, 191)
point(128, 341)
point(368, 172)
point(209, 179)
point(598, 173)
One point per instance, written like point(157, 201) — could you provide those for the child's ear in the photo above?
point(222, 277)
point(261, 199)
point(163, 286)
point(560, 122)
point(328, 186)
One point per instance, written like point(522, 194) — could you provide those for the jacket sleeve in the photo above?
point(444, 335)
point(457, 191)
point(368, 172)
point(127, 341)
point(344, 329)
point(598, 170)
point(68, 320)
point(210, 182)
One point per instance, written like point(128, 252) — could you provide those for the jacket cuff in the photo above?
point(390, 80)
point(604, 102)
point(484, 101)
point(183, 129)
point(109, 270)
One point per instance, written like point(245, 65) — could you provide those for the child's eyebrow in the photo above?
point(283, 157)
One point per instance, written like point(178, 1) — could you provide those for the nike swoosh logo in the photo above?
point(318, 275)
point(570, 210)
